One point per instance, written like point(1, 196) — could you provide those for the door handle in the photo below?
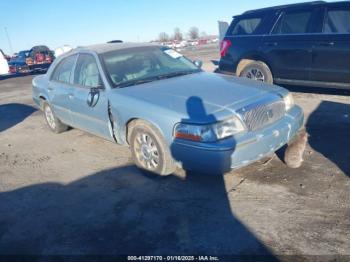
point(49, 89)
point(93, 97)
point(327, 44)
point(271, 43)
point(71, 96)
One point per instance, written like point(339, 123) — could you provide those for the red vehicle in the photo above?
point(202, 41)
point(39, 58)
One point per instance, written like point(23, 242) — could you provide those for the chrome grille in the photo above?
point(260, 115)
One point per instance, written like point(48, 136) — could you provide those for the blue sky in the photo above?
point(83, 22)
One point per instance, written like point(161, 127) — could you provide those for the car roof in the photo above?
point(107, 47)
point(283, 7)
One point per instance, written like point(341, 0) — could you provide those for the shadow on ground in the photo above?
point(122, 211)
point(14, 113)
point(15, 75)
point(329, 129)
point(318, 90)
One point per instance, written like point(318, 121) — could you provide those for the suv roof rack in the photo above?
point(284, 6)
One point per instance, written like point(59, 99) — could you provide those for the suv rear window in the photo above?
point(246, 26)
point(293, 23)
point(338, 21)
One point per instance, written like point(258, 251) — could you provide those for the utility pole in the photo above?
point(8, 39)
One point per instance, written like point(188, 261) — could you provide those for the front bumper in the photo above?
point(240, 150)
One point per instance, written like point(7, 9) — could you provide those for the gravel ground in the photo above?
point(75, 193)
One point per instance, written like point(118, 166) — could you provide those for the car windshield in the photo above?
point(133, 66)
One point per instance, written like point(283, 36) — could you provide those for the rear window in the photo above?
point(293, 23)
point(246, 26)
point(64, 69)
point(338, 21)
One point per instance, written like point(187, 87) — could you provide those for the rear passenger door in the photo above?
point(60, 88)
point(331, 52)
point(289, 46)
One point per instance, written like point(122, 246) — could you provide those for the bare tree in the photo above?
point(163, 37)
point(203, 34)
point(177, 34)
point(193, 33)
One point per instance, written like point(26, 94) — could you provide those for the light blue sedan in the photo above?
point(166, 108)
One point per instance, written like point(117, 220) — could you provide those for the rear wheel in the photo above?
point(149, 149)
point(257, 70)
point(52, 121)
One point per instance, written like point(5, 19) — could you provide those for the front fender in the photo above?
point(129, 109)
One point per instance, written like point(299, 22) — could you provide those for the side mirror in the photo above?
point(198, 63)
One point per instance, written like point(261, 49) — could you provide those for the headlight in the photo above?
point(209, 133)
point(288, 101)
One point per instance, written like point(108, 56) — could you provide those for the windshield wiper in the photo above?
point(137, 82)
point(154, 78)
point(175, 74)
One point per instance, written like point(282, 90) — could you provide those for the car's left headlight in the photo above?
point(288, 101)
point(209, 133)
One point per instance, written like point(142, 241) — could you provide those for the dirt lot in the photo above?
point(74, 193)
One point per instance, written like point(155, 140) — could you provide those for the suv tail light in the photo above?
point(12, 69)
point(224, 46)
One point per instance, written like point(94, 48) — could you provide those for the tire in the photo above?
point(149, 149)
point(52, 121)
point(257, 70)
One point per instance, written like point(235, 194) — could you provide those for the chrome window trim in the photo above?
point(281, 13)
point(281, 35)
point(305, 34)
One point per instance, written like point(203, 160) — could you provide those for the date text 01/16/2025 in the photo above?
point(173, 258)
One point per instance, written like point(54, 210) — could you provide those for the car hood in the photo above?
point(200, 97)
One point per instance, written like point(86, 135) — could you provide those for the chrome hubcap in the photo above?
point(146, 151)
point(255, 74)
point(49, 117)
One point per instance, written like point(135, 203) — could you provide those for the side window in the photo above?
point(337, 21)
point(293, 23)
point(246, 26)
point(63, 70)
point(86, 72)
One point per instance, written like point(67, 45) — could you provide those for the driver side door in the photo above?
point(89, 105)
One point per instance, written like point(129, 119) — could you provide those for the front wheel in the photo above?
point(149, 150)
point(258, 71)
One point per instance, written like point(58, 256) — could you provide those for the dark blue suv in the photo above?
point(304, 44)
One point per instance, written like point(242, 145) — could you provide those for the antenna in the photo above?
point(8, 39)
